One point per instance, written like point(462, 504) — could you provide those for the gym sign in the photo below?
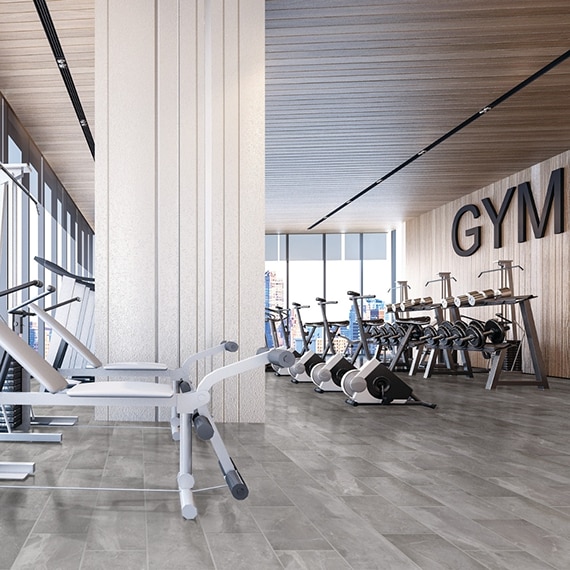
point(526, 208)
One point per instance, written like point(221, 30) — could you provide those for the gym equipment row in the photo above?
point(405, 343)
point(370, 383)
point(489, 337)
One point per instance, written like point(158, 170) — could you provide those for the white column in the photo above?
point(180, 186)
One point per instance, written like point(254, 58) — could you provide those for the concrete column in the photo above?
point(180, 186)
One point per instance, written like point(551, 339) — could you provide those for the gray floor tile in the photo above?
point(125, 560)
point(432, 552)
point(51, 552)
point(312, 560)
point(480, 482)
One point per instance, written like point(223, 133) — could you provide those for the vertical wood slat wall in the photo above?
point(546, 261)
point(180, 189)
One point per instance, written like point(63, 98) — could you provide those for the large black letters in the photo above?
point(553, 201)
point(475, 232)
point(497, 219)
point(554, 193)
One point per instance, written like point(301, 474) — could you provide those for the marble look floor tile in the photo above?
point(385, 517)
point(88, 459)
point(51, 552)
point(113, 530)
point(432, 552)
point(398, 492)
point(223, 514)
point(482, 481)
point(536, 513)
point(509, 560)
point(15, 526)
point(124, 466)
point(353, 537)
point(286, 528)
point(173, 542)
point(125, 560)
point(265, 492)
point(459, 530)
point(312, 560)
point(537, 489)
point(468, 505)
point(472, 484)
point(541, 544)
point(242, 552)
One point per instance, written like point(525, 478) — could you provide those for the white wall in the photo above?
point(180, 186)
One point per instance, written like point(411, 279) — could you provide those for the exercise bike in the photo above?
point(375, 383)
point(302, 369)
point(328, 375)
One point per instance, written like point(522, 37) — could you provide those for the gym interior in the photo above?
point(284, 285)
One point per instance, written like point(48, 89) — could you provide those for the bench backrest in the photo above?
point(29, 359)
point(71, 339)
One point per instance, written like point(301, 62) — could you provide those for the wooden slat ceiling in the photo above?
point(31, 82)
point(354, 88)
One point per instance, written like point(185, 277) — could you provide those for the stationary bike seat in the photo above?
point(414, 321)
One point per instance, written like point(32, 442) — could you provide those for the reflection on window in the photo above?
point(301, 267)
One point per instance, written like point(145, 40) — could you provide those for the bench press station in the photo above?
point(190, 403)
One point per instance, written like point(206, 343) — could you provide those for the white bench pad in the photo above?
point(136, 366)
point(122, 390)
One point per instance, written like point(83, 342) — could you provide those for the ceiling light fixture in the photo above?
point(53, 39)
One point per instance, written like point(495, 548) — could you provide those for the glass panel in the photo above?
point(275, 248)
point(334, 246)
point(352, 246)
point(305, 247)
point(374, 246)
point(342, 275)
point(376, 274)
point(69, 245)
point(15, 229)
point(275, 285)
point(354, 262)
point(60, 237)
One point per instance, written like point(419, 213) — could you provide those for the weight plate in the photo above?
point(494, 331)
point(475, 336)
point(445, 330)
point(429, 333)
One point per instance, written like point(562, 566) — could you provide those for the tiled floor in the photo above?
point(482, 482)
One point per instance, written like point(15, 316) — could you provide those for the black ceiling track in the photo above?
point(51, 34)
point(449, 133)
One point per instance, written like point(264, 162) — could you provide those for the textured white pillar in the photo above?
point(180, 186)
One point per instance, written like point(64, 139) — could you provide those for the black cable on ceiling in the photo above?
point(51, 34)
point(449, 133)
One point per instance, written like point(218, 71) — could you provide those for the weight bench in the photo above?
point(191, 405)
point(96, 368)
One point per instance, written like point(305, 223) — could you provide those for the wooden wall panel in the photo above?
point(545, 261)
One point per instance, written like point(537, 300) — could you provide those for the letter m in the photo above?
point(554, 195)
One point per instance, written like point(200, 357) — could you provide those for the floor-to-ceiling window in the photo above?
point(39, 219)
point(301, 267)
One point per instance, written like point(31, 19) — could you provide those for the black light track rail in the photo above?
point(448, 134)
point(53, 39)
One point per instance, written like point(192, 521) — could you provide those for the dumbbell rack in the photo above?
point(443, 355)
point(540, 374)
point(497, 352)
